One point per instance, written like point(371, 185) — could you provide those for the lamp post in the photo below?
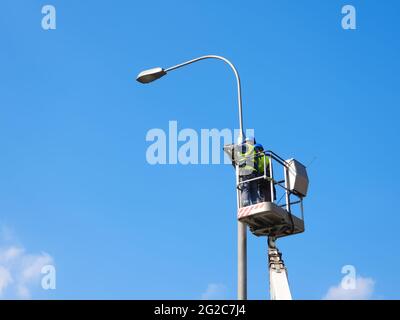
point(151, 75)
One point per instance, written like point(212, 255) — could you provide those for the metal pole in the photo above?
point(242, 229)
point(241, 249)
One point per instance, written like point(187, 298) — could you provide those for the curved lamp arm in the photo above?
point(150, 75)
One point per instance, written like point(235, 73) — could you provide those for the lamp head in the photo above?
point(150, 75)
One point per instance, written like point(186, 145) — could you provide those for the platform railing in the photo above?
point(268, 175)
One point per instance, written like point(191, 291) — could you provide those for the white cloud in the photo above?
point(5, 279)
point(363, 290)
point(20, 272)
point(214, 291)
point(33, 264)
point(10, 253)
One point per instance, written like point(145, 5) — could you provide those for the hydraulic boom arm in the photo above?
point(278, 278)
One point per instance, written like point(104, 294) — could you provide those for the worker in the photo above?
point(263, 185)
point(244, 158)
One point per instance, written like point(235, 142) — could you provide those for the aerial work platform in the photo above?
point(274, 218)
point(268, 219)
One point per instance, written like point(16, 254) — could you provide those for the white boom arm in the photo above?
point(278, 278)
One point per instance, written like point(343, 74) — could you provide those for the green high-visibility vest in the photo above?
point(246, 160)
point(260, 160)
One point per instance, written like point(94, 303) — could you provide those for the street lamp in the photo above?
point(151, 75)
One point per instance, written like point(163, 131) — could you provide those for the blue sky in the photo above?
point(74, 182)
